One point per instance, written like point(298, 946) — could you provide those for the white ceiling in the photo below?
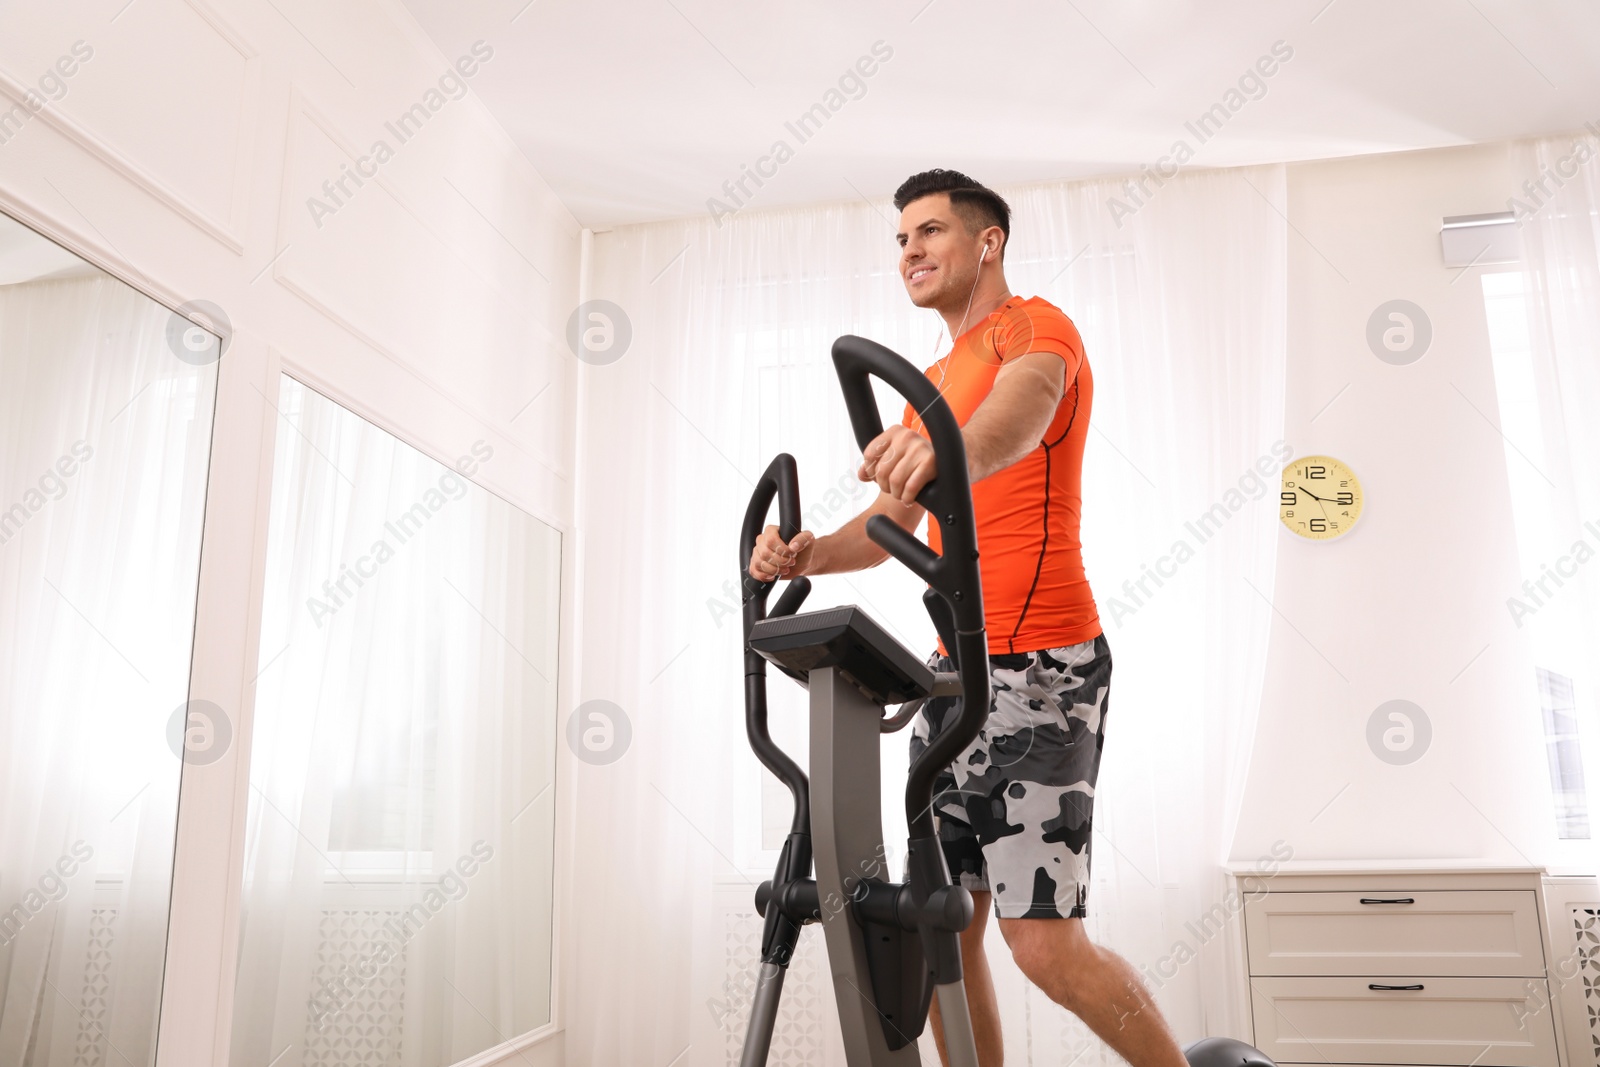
point(641, 109)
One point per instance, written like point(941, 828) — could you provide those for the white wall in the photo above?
point(433, 302)
point(1411, 603)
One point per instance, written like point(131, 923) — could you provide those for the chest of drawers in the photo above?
point(1427, 968)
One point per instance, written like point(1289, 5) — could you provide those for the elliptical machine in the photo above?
point(891, 945)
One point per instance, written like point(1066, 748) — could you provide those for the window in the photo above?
point(1541, 607)
point(1566, 759)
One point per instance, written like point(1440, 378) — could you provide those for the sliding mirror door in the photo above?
point(399, 850)
point(106, 402)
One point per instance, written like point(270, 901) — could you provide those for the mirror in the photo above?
point(400, 846)
point(106, 403)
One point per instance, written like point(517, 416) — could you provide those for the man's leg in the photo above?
point(981, 1002)
point(1096, 985)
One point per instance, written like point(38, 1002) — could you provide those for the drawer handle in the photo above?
point(1394, 988)
point(1388, 900)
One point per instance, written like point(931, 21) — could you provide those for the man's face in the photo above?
point(938, 255)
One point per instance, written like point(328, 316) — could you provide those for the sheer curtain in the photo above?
point(104, 444)
point(398, 858)
point(1182, 310)
point(1561, 296)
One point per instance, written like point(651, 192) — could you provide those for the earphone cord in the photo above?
point(945, 366)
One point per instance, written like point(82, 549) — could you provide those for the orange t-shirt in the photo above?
point(1035, 593)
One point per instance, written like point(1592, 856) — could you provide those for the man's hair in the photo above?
point(979, 206)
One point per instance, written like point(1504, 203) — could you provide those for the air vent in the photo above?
point(1478, 240)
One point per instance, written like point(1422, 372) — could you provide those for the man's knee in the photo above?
point(1048, 947)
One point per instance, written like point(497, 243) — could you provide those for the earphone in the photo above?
point(943, 366)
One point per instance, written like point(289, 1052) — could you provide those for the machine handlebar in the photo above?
point(781, 481)
point(954, 575)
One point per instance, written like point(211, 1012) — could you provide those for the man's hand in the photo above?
point(900, 461)
point(772, 558)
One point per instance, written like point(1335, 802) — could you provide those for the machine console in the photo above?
point(847, 638)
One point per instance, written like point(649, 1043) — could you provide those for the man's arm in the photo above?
point(1012, 419)
point(1008, 425)
point(850, 549)
point(846, 549)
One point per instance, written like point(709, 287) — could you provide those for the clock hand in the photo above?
point(1320, 501)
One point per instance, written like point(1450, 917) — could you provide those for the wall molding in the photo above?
point(250, 108)
point(91, 250)
point(300, 104)
point(498, 429)
point(418, 38)
point(503, 1052)
point(227, 232)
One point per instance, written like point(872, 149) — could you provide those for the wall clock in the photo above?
point(1321, 498)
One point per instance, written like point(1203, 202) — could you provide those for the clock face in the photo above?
point(1321, 498)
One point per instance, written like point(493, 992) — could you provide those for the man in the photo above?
point(1014, 809)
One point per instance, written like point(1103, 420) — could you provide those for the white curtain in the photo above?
point(104, 444)
point(398, 858)
point(1560, 290)
point(1182, 309)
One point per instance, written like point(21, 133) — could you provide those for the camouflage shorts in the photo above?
point(1014, 809)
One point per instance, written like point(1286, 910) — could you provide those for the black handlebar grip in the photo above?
point(893, 538)
point(780, 480)
point(792, 598)
point(782, 469)
point(856, 359)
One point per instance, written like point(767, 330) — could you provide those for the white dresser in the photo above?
point(1399, 967)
